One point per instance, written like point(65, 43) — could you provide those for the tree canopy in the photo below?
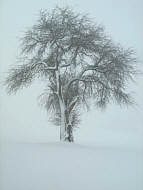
point(78, 60)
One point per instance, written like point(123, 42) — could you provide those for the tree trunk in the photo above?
point(69, 132)
point(65, 128)
point(69, 128)
point(62, 107)
point(63, 123)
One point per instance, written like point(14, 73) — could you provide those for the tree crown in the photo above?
point(88, 62)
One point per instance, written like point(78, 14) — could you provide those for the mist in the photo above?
point(23, 120)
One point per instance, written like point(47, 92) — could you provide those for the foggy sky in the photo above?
point(22, 120)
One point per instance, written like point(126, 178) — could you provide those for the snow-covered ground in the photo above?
point(64, 166)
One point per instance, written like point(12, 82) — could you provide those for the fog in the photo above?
point(23, 120)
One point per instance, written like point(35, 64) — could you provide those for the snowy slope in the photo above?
point(61, 166)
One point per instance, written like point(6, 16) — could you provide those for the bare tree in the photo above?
point(79, 62)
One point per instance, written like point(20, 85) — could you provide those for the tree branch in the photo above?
point(49, 68)
point(72, 104)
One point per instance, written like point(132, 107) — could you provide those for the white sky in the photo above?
point(21, 117)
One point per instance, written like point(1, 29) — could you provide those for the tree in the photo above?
point(79, 62)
